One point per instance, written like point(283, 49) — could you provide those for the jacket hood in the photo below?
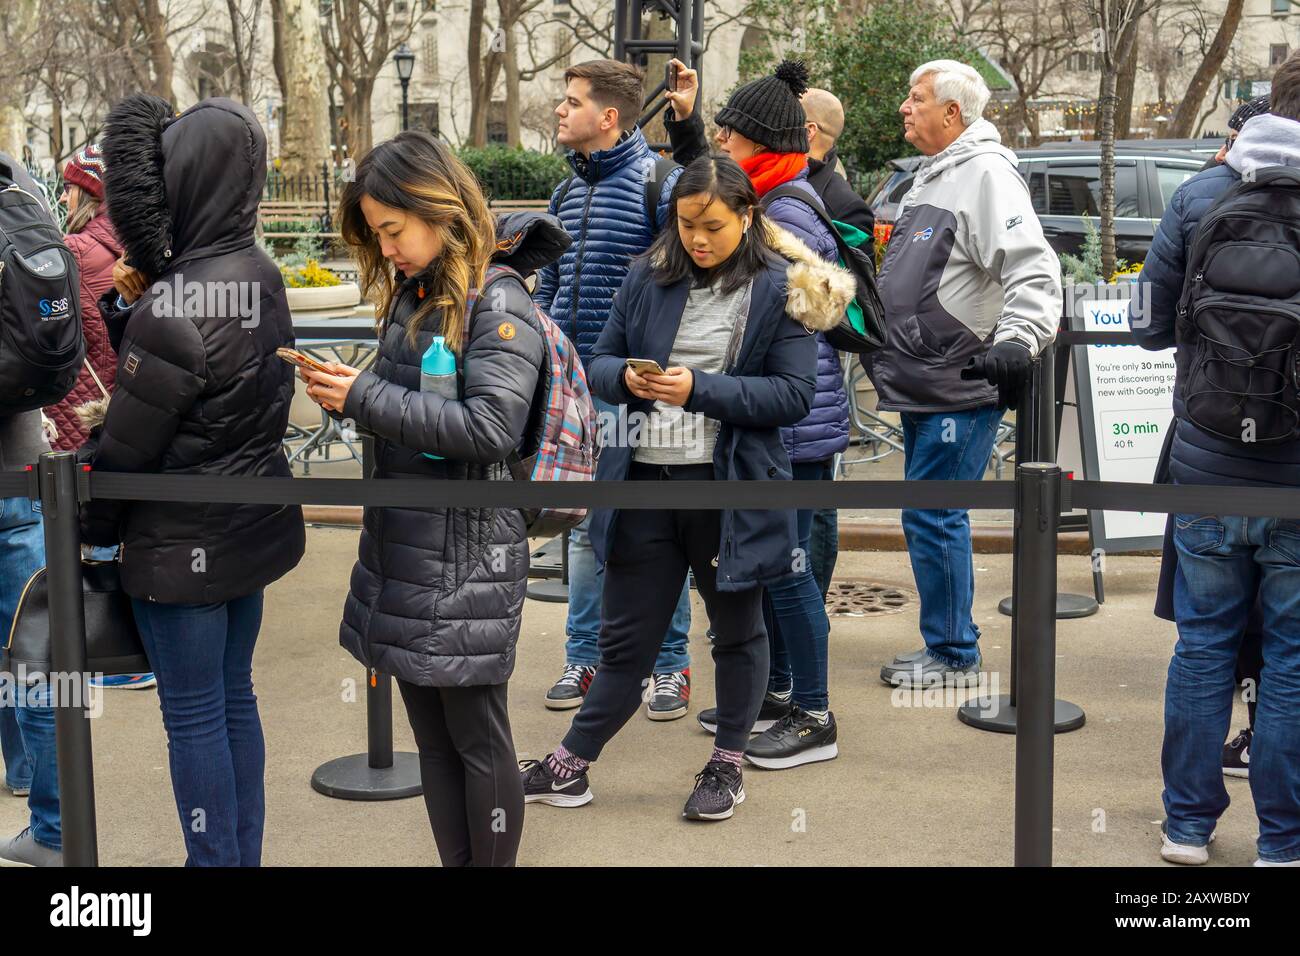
point(528, 241)
point(182, 186)
point(980, 138)
point(817, 292)
point(1266, 140)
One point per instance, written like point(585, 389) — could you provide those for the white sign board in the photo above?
point(1125, 401)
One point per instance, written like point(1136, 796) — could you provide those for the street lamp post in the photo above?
point(405, 61)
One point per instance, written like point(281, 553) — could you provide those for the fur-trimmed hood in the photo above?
point(183, 186)
point(817, 292)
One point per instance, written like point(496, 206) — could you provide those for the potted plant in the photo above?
point(308, 285)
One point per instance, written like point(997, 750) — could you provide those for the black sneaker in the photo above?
point(773, 709)
point(718, 788)
point(542, 786)
point(670, 697)
point(1236, 755)
point(792, 741)
point(571, 688)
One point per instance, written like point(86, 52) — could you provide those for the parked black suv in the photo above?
point(1065, 184)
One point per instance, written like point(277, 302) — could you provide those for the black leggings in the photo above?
point(472, 787)
point(644, 571)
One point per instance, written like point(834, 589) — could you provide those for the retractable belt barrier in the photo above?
point(1038, 497)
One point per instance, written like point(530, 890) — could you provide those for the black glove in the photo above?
point(1007, 366)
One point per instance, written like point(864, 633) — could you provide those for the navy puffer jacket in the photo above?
point(604, 212)
point(825, 432)
point(1196, 457)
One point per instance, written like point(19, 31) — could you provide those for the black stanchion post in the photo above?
point(1042, 426)
point(998, 714)
point(67, 685)
point(1038, 511)
point(379, 773)
point(554, 591)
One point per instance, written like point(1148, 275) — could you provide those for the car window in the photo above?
point(1038, 190)
point(889, 190)
point(1075, 190)
point(1170, 178)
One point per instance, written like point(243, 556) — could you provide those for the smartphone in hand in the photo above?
point(641, 366)
point(294, 357)
point(670, 77)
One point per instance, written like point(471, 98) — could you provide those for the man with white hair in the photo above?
point(972, 292)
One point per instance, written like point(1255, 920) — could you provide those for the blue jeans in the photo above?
point(795, 614)
point(1224, 565)
point(824, 543)
point(202, 656)
point(587, 581)
point(951, 446)
point(26, 719)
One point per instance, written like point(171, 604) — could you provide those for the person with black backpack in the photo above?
point(437, 594)
point(40, 318)
point(1223, 277)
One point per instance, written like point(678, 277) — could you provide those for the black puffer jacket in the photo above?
point(437, 593)
point(199, 387)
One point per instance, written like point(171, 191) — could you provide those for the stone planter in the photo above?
point(324, 298)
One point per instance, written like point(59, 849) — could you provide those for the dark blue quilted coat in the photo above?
point(826, 429)
point(604, 211)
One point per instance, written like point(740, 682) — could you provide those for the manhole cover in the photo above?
point(862, 598)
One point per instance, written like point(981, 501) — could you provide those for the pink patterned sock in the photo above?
point(726, 756)
point(566, 765)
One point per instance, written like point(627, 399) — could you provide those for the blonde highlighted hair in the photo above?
point(420, 175)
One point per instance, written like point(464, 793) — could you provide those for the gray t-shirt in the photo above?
point(707, 339)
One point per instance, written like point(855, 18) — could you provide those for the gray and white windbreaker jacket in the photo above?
point(967, 266)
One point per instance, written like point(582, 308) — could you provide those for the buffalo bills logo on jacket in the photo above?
point(922, 234)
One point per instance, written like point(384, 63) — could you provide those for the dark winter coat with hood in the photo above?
point(200, 390)
point(771, 383)
point(437, 593)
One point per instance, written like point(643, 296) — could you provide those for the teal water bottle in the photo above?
point(438, 373)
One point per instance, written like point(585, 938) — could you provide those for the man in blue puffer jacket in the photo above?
point(603, 206)
point(1219, 568)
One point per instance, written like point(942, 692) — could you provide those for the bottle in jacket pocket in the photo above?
point(438, 374)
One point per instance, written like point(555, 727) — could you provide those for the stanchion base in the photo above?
point(1067, 606)
point(546, 561)
point(999, 716)
point(550, 592)
point(352, 778)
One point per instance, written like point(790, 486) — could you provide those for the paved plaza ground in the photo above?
point(912, 785)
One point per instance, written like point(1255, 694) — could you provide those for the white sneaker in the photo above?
point(1172, 852)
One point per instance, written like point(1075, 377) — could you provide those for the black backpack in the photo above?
point(41, 346)
point(862, 330)
point(1239, 312)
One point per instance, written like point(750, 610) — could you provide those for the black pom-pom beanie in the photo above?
point(768, 111)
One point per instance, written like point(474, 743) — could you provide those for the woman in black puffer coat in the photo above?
point(437, 593)
point(199, 391)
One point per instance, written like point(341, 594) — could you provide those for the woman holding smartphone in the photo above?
point(731, 323)
point(437, 593)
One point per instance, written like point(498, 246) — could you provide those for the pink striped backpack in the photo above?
point(560, 444)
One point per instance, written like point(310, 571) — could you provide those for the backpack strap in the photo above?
point(791, 191)
point(564, 192)
point(654, 185)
